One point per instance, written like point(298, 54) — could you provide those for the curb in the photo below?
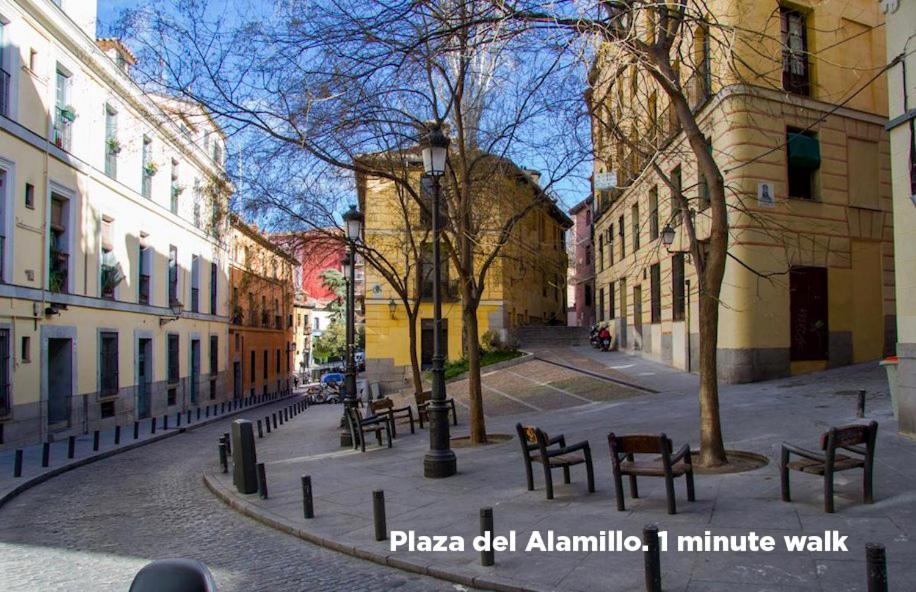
point(598, 375)
point(250, 510)
point(50, 474)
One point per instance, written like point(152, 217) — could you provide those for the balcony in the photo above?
point(278, 322)
point(4, 93)
point(58, 272)
point(61, 134)
point(143, 296)
point(238, 315)
point(195, 299)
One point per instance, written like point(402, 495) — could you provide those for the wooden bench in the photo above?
point(623, 450)
point(360, 425)
point(848, 438)
point(553, 453)
point(386, 407)
point(423, 399)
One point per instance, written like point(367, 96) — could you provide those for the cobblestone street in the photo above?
point(93, 528)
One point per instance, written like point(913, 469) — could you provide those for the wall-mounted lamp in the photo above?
point(176, 313)
point(392, 307)
point(668, 240)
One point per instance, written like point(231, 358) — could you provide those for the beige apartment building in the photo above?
point(793, 109)
point(113, 299)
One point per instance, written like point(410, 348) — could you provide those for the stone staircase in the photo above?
point(534, 336)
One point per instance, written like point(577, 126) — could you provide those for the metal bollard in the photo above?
point(876, 564)
point(860, 404)
point(165, 422)
point(262, 481)
point(71, 446)
point(95, 441)
point(207, 411)
point(486, 527)
point(267, 421)
point(378, 515)
point(307, 508)
point(17, 464)
point(152, 425)
point(223, 457)
point(274, 415)
point(198, 414)
point(281, 416)
point(178, 419)
point(117, 435)
point(136, 430)
point(223, 407)
point(45, 453)
point(189, 416)
point(653, 559)
point(226, 439)
point(260, 430)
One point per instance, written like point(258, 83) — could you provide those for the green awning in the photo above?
point(804, 151)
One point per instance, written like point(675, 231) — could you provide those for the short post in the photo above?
point(378, 515)
point(267, 421)
point(307, 508)
point(223, 407)
point(274, 415)
point(45, 453)
point(281, 416)
point(71, 446)
point(136, 430)
point(198, 414)
point(653, 559)
point(260, 429)
point(228, 444)
point(189, 416)
point(860, 404)
point(244, 457)
point(223, 457)
point(95, 441)
point(178, 419)
point(152, 425)
point(207, 411)
point(876, 564)
point(262, 481)
point(17, 465)
point(165, 421)
point(117, 435)
point(486, 529)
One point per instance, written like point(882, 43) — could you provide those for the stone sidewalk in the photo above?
point(756, 418)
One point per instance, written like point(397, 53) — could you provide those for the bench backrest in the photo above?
point(423, 397)
point(528, 437)
point(638, 444)
point(381, 405)
point(850, 435)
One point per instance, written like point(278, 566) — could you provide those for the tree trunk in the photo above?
point(416, 376)
point(712, 449)
point(475, 391)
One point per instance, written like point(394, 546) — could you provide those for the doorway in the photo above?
point(236, 380)
point(426, 342)
point(808, 313)
point(195, 371)
point(60, 382)
point(637, 317)
point(144, 377)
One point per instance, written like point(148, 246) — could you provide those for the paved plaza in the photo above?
point(757, 418)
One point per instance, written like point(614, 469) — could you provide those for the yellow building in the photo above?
point(114, 282)
point(901, 28)
point(525, 285)
point(793, 107)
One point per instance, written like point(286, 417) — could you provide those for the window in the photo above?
point(702, 59)
point(214, 364)
point(173, 276)
point(30, 196)
point(623, 238)
point(5, 403)
point(703, 183)
point(278, 360)
point(108, 364)
point(863, 173)
point(588, 295)
point(213, 287)
point(803, 160)
point(653, 213)
point(264, 367)
point(610, 243)
point(794, 52)
point(600, 253)
point(63, 113)
point(611, 301)
point(195, 283)
point(144, 266)
point(26, 353)
point(218, 153)
point(656, 293)
point(634, 216)
point(110, 274)
point(253, 361)
point(677, 286)
point(196, 208)
point(148, 168)
point(33, 59)
point(112, 144)
point(59, 257)
point(173, 352)
point(600, 304)
point(426, 273)
point(676, 196)
point(175, 189)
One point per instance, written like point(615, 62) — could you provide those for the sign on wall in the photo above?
point(605, 181)
point(766, 198)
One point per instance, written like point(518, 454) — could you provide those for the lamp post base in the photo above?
point(438, 464)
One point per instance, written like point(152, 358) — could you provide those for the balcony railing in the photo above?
point(62, 130)
point(144, 289)
point(4, 93)
point(58, 272)
point(195, 299)
point(2, 257)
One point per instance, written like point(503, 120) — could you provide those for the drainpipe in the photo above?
point(687, 281)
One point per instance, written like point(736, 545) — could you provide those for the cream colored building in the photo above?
point(901, 41)
point(113, 301)
point(797, 126)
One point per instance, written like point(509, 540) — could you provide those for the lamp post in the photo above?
point(353, 219)
point(440, 460)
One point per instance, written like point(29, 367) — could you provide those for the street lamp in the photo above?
point(353, 219)
point(440, 460)
point(667, 236)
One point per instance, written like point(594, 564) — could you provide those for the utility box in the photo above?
point(244, 457)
